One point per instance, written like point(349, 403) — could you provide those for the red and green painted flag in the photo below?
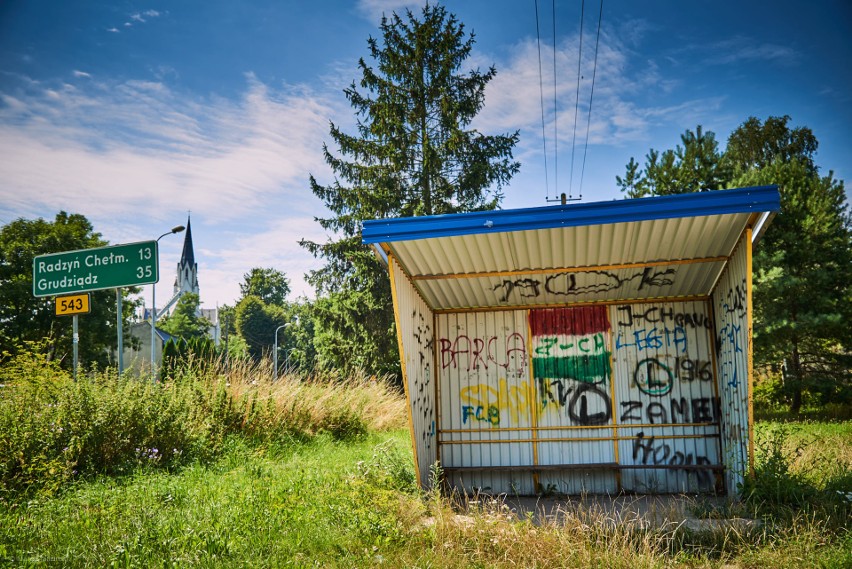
point(571, 343)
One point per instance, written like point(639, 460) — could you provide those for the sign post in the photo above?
point(74, 305)
point(76, 341)
point(119, 318)
point(86, 270)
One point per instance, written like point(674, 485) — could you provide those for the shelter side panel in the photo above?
point(485, 400)
point(731, 303)
point(666, 394)
point(415, 323)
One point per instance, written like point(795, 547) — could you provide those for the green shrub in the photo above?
point(53, 429)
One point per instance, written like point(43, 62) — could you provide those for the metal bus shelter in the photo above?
point(583, 348)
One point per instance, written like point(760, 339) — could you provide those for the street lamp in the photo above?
point(176, 229)
point(275, 352)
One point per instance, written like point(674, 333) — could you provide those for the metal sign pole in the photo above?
point(119, 322)
point(76, 341)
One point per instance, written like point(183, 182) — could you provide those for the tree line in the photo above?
point(413, 153)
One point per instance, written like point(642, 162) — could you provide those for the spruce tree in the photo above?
point(414, 153)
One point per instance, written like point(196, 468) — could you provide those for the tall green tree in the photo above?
point(803, 283)
point(269, 285)
point(186, 321)
point(696, 166)
point(754, 145)
point(256, 323)
point(803, 266)
point(414, 153)
point(25, 318)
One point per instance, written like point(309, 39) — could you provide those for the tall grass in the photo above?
point(54, 430)
point(318, 472)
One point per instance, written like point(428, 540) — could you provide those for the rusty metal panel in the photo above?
point(571, 354)
point(485, 406)
point(414, 321)
point(731, 304)
point(666, 395)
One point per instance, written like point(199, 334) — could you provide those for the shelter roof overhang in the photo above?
point(621, 250)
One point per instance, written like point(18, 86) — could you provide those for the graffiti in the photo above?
point(582, 358)
point(571, 343)
point(492, 415)
point(687, 369)
point(648, 451)
point(653, 377)
point(585, 344)
point(654, 339)
point(423, 335)
point(528, 288)
point(735, 301)
point(422, 404)
point(506, 400)
point(680, 410)
point(584, 282)
point(577, 405)
point(469, 353)
point(728, 342)
point(660, 315)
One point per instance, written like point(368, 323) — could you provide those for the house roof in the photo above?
point(666, 246)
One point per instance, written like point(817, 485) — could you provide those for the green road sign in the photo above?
point(95, 269)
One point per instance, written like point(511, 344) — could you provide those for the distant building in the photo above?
point(186, 280)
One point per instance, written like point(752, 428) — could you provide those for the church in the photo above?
point(138, 358)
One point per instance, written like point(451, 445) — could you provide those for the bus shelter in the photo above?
point(583, 348)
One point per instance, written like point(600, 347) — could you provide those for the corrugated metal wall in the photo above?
point(732, 303)
point(417, 352)
point(572, 368)
point(485, 399)
point(574, 392)
point(668, 405)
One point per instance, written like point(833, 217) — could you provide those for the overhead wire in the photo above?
point(591, 98)
point(577, 97)
point(555, 112)
point(541, 93)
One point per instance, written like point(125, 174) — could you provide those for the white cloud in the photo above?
point(513, 98)
point(82, 74)
point(135, 153)
point(113, 30)
point(272, 247)
point(740, 49)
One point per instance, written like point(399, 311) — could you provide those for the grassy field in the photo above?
point(338, 491)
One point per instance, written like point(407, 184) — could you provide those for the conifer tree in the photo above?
point(414, 153)
point(802, 267)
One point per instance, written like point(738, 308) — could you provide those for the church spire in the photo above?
point(188, 255)
point(187, 269)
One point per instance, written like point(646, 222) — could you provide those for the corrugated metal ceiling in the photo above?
point(571, 254)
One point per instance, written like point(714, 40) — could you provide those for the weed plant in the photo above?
point(308, 472)
point(54, 430)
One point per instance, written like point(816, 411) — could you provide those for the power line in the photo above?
point(591, 97)
point(541, 93)
point(555, 112)
point(577, 99)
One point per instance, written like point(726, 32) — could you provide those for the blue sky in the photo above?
point(134, 113)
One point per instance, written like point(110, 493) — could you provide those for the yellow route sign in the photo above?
point(73, 304)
